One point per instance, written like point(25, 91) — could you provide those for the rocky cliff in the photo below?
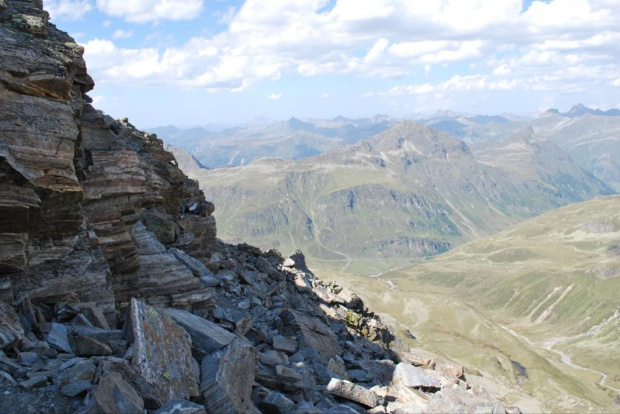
point(116, 296)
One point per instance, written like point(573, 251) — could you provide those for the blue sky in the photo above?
point(194, 62)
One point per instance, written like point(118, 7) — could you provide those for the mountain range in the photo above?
point(408, 192)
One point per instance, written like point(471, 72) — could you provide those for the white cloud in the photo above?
point(275, 96)
point(144, 11)
point(67, 9)
point(122, 34)
point(552, 45)
point(324, 95)
point(107, 23)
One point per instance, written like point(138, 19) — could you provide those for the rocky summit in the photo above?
point(117, 297)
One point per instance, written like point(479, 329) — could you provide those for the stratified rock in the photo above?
point(114, 395)
point(311, 332)
point(178, 406)
point(58, 338)
point(352, 392)
point(414, 377)
point(207, 337)
point(226, 379)
point(162, 352)
point(11, 330)
point(453, 401)
point(160, 273)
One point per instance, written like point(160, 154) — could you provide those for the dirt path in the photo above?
point(563, 357)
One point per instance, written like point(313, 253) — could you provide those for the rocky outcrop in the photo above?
point(115, 294)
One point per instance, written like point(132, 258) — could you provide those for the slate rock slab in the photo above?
point(207, 337)
point(162, 352)
point(115, 395)
point(57, 338)
point(414, 377)
point(227, 378)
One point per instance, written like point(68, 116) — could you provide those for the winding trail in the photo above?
point(563, 357)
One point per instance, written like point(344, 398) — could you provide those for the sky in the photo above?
point(196, 62)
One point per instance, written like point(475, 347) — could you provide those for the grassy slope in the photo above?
point(548, 280)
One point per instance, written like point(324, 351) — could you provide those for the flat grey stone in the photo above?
point(58, 338)
point(207, 337)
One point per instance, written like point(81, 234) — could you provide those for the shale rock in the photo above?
point(114, 395)
point(207, 337)
point(226, 379)
point(162, 352)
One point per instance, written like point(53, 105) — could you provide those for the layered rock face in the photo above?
point(97, 222)
point(73, 181)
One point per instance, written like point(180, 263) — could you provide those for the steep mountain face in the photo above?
point(292, 139)
point(116, 297)
point(408, 192)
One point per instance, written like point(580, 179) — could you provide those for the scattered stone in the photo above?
point(276, 403)
point(311, 332)
point(5, 377)
point(179, 406)
point(75, 388)
point(28, 359)
point(226, 378)
point(162, 352)
point(207, 337)
point(114, 395)
point(281, 343)
point(11, 330)
point(352, 392)
point(75, 370)
point(58, 338)
point(288, 262)
point(37, 381)
point(414, 377)
point(85, 346)
point(273, 358)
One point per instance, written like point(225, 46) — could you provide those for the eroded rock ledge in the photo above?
point(116, 296)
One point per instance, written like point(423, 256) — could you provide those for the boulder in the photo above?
point(414, 377)
point(352, 392)
point(227, 377)
point(311, 332)
point(207, 337)
point(114, 395)
point(162, 352)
